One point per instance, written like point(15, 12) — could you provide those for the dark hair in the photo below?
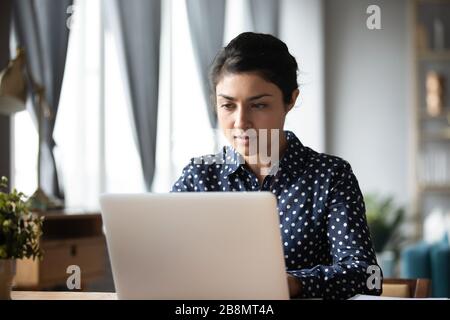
point(257, 52)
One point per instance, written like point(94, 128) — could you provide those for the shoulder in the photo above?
point(333, 171)
point(202, 172)
point(311, 161)
point(205, 163)
point(326, 162)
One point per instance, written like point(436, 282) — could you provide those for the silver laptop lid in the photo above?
point(213, 245)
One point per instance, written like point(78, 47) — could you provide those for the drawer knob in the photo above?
point(73, 250)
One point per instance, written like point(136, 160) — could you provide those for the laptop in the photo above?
point(211, 245)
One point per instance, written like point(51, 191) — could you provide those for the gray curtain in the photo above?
point(5, 28)
point(5, 121)
point(206, 22)
point(265, 16)
point(41, 29)
point(137, 25)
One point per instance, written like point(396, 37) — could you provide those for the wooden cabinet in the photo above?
point(68, 239)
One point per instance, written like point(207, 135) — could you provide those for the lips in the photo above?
point(242, 140)
point(244, 135)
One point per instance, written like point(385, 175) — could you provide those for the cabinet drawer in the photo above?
point(88, 254)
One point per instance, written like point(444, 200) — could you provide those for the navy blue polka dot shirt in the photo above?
point(326, 240)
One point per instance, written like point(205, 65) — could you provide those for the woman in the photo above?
point(326, 240)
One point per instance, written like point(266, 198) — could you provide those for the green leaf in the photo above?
point(20, 230)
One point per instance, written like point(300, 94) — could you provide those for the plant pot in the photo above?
point(7, 273)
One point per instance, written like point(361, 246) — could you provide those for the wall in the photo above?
point(301, 27)
point(368, 93)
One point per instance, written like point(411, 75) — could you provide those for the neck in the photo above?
point(260, 168)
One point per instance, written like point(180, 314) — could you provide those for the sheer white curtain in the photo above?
point(93, 128)
point(238, 19)
point(183, 124)
point(25, 139)
point(77, 132)
point(25, 145)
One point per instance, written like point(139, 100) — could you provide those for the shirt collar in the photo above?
point(233, 160)
point(293, 161)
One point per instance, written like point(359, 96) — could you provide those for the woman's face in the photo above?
point(247, 101)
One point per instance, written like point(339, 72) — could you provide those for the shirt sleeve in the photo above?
point(185, 182)
point(349, 244)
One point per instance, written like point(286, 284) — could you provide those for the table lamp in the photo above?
point(13, 89)
point(13, 97)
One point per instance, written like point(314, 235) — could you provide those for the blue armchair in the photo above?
point(432, 261)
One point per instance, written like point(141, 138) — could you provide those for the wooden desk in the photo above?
point(49, 295)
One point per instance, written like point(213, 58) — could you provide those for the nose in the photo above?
point(242, 120)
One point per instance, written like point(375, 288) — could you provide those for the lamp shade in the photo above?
point(10, 105)
point(13, 90)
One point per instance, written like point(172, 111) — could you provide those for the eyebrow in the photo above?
point(259, 96)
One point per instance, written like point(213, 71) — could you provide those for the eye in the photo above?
point(259, 105)
point(227, 106)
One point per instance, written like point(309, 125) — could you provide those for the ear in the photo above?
point(294, 97)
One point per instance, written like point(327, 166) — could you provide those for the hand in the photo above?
point(294, 286)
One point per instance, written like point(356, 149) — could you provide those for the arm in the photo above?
point(350, 245)
point(185, 182)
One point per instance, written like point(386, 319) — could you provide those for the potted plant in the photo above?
point(20, 231)
point(384, 218)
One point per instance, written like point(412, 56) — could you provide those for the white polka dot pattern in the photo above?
point(326, 240)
